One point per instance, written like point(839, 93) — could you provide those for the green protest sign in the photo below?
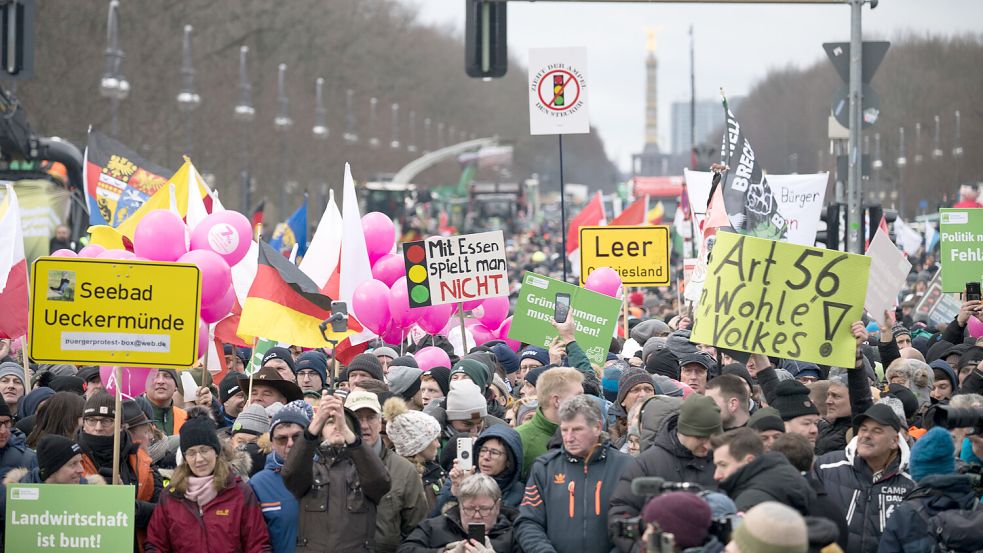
point(961, 233)
point(44, 518)
point(256, 360)
point(594, 315)
point(782, 299)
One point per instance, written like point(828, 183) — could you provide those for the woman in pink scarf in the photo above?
point(206, 508)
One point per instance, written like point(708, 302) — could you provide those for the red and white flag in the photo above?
point(634, 215)
point(321, 262)
point(591, 215)
point(13, 269)
point(354, 267)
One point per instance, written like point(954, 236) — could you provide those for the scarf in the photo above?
point(201, 490)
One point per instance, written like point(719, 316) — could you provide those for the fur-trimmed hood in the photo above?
point(22, 475)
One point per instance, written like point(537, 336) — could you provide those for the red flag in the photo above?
point(13, 269)
point(633, 215)
point(591, 215)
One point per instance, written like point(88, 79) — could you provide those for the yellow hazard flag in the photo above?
point(162, 198)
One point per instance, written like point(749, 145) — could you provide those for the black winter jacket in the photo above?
point(434, 533)
point(769, 478)
point(907, 530)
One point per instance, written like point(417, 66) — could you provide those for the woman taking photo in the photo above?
point(206, 508)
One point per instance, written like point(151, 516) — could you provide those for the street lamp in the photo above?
point(113, 84)
point(427, 124)
point(918, 144)
point(411, 141)
point(187, 99)
point(957, 149)
point(245, 113)
point(350, 136)
point(374, 141)
point(902, 158)
point(282, 123)
point(320, 128)
point(937, 139)
point(394, 124)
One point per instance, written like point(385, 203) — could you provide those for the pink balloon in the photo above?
point(399, 305)
point(493, 311)
point(64, 252)
point(116, 254)
point(226, 233)
point(975, 327)
point(380, 234)
point(133, 380)
point(160, 236)
point(603, 280)
point(393, 334)
point(216, 276)
point(503, 334)
point(472, 305)
point(371, 306)
point(92, 250)
point(435, 317)
point(217, 310)
point(481, 334)
point(430, 357)
point(389, 268)
point(202, 338)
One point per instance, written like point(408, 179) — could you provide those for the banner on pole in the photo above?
point(42, 518)
point(594, 315)
point(117, 180)
point(111, 312)
point(639, 254)
point(781, 299)
point(453, 269)
point(962, 255)
point(558, 91)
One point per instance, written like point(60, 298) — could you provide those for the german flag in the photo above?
point(285, 305)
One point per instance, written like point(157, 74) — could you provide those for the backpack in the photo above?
point(956, 530)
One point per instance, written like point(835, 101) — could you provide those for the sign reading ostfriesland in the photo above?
point(112, 312)
point(65, 517)
point(453, 269)
point(639, 254)
point(558, 91)
point(781, 299)
point(751, 204)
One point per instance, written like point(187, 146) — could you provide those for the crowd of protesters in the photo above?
point(670, 445)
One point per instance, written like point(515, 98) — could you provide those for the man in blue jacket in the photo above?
point(280, 507)
point(565, 505)
point(14, 452)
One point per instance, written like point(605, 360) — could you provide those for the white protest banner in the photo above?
point(888, 271)
point(558, 91)
point(453, 269)
point(908, 238)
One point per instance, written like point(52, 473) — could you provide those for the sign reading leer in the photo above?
point(453, 269)
point(112, 312)
point(781, 299)
point(639, 254)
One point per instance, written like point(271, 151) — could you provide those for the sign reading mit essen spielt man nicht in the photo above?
point(640, 254)
point(452, 269)
point(113, 312)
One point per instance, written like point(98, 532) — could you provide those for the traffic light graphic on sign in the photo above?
point(417, 281)
point(558, 90)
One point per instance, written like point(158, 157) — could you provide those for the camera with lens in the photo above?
point(722, 527)
point(629, 528)
point(949, 417)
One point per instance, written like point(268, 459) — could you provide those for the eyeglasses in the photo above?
point(284, 440)
point(480, 510)
point(307, 373)
point(7, 423)
point(493, 453)
point(98, 422)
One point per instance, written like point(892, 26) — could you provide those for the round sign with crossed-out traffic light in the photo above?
point(559, 90)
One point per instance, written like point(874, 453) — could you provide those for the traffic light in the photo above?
point(831, 237)
point(486, 53)
point(17, 38)
point(417, 275)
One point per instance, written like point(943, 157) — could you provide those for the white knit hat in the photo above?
point(465, 401)
point(410, 431)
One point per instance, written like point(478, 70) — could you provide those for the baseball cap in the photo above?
point(880, 413)
point(360, 399)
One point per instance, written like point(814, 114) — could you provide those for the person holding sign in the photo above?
point(207, 508)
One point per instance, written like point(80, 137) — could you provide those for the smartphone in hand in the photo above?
point(561, 307)
point(973, 291)
point(464, 460)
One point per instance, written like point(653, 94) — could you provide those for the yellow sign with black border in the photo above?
point(639, 254)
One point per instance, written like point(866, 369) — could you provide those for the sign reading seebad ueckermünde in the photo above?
point(781, 299)
point(113, 312)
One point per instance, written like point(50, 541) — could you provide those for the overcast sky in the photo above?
point(735, 46)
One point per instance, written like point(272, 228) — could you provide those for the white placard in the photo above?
point(558, 91)
point(888, 270)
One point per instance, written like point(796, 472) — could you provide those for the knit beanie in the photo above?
point(646, 330)
point(68, 383)
point(792, 400)
point(766, 418)
point(475, 370)
point(629, 379)
point(652, 346)
point(533, 375)
point(404, 381)
point(367, 363)
point(410, 431)
point(55, 451)
point(933, 453)
point(9, 368)
point(171, 373)
point(229, 386)
point(199, 429)
point(315, 361)
point(609, 381)
point(678, 343)
point(252, 420)
point(771, 527)
point(909, 402)
point(739, 370)
point(899, 329)
point(406, 361)
point(506, 357)
point(100, 404)
point(442, 375)
point(531, 405)
point(699, 416)
point(295, 412)
point(465, 401)
point(663, 362)
point(385, 351)
point(684, 515)
point(279, 353)
point(535, 352)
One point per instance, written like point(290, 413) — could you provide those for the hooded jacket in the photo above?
point(509, 481)
point(338, 492)
point(435, 533)
point(280, 507)
point(654, 412)
point(907, 530)
point(867, 502)
point(21, 475)
point(770, 477)
point(668, 459)
point(566, 501)
point(16, 454)
point(231, 522)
